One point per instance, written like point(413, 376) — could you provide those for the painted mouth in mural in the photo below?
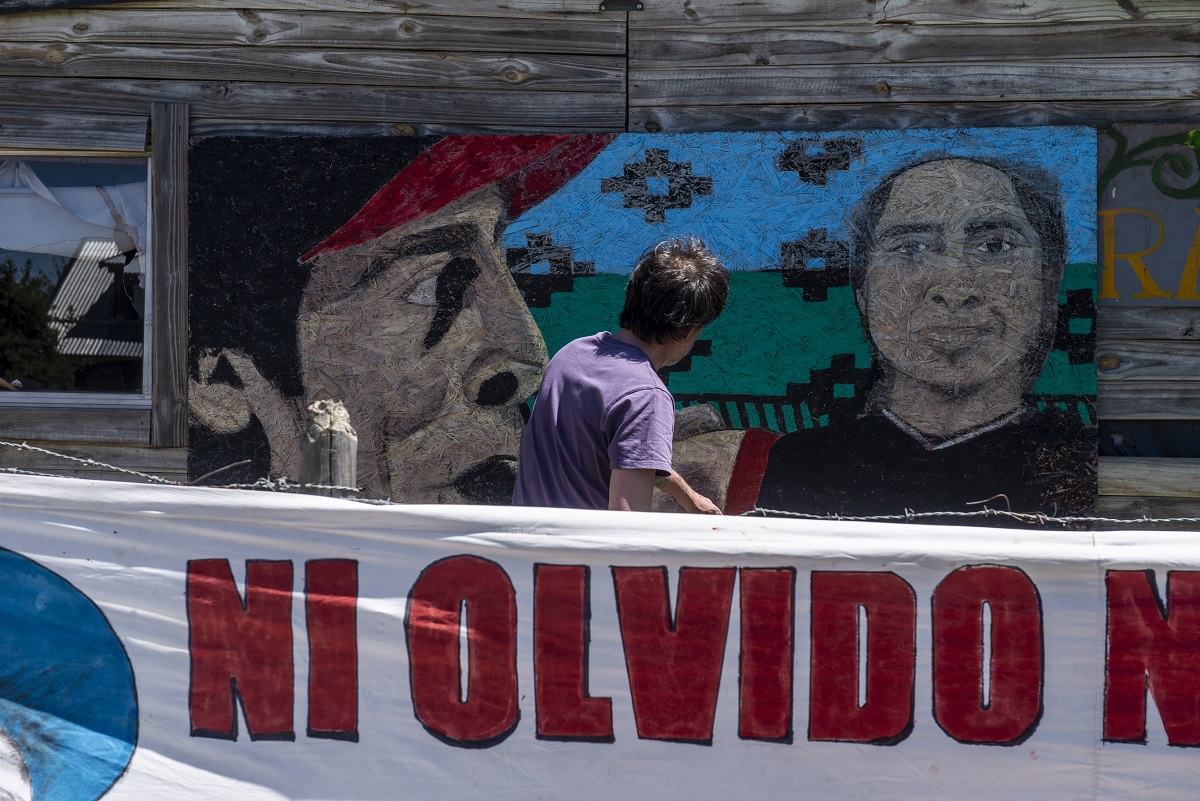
point(954, 338)
point(489, 482)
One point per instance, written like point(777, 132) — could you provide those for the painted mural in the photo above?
point(910, 323)
point(1148, 185)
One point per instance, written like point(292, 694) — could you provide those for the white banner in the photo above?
point(178, 643)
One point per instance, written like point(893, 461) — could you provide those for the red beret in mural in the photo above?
point(527, 168)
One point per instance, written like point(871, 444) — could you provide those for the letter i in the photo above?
point(331, 597)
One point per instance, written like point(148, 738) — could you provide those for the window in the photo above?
point(74, 277)
point(101, 253)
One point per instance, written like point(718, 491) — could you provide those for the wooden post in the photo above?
point(328, 450)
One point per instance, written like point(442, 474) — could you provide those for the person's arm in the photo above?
point(630, 489)
point(685, 496)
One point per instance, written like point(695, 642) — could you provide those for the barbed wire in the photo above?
point(284, 484)
point(24, 446)
point(909, 516)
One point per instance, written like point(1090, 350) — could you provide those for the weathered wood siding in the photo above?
point(88, 77)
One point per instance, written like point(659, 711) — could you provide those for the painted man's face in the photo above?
point(432, 349)
point(955, 286)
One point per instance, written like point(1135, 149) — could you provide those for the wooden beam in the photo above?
point(580, 34)
point(1028, 81)
point(168, 463)
point(316, 66)
point(18, 6)
point(793, 116)
point(901, 12)
point(471, 8)
point(209, 126)
point(1148, 400)
point(266, 102)
point(1133, 508)
point(130, 426)
point(1149, 477)
point(64, 130)
point(733, 44)
point(1147, 360)
point(168, 264)
point(1148, 322)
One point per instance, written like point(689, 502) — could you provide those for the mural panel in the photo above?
point(910, 322)
point(1149, 233)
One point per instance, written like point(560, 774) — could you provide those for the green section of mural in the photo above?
point(769, 337)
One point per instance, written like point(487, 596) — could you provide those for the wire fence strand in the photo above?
point(908, 516)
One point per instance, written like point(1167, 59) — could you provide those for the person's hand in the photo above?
point(703, 506)
point(687, 498)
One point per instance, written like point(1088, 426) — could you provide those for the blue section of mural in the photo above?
point(745, 194)
point(67, 696)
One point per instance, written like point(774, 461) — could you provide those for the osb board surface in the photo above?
point(978, 335)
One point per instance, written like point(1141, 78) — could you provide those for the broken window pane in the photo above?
point(72, 274)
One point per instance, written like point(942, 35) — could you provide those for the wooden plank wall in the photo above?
point(405, 67)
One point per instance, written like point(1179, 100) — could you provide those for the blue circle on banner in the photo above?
point(67, 697)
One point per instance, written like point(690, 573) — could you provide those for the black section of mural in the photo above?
point(209, 450)
point(639, 193)
point(1080, 347)
point(537, 289)
point(813, 159)
point(831, 397)
point(702, 347)
point(815, 263)
point(224, 373)
point(560, 276)
point(256, 204)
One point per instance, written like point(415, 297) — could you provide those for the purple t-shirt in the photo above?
point(601, 407)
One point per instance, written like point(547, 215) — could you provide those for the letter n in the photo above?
point(1149, 645)
point(840, 707)
point(241, 650)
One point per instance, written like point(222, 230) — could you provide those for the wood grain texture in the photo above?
point(935, 12)
point(1146, 360)
point(579, 34)
point(170, 463)
point(313, 66)
point(1149, 477)
point(129, 426)
point(1027, 81)
point(1148, 400)
point(1148, 322)
point(793, 116)
point(32, 128)
point(734, 44)
point(262, 102)
point(18, 6)
point(222, 127)
point(1125, 507)
point(168, 263)
point(470, 8)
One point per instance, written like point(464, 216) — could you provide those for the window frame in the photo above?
point(116, 400)
point(157, 416)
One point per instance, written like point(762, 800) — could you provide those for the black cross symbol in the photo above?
point(812, 159)
point(540, 248)
point(634, 184)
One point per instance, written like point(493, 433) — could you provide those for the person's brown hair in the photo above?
point(676, 286)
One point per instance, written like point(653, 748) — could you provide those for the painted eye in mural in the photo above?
point(425, 293)
point(995, 245)
point(913, 246)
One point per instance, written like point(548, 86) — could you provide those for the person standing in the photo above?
point(602, 424)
